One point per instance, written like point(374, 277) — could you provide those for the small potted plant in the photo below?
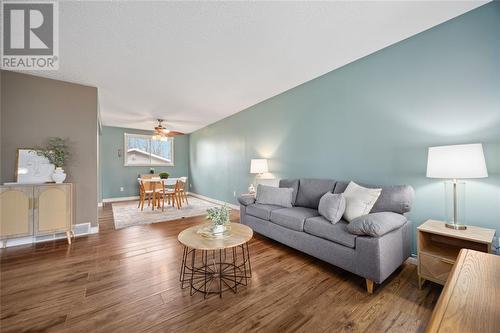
point(164, 175)
point(220, 219)
point(57, 152)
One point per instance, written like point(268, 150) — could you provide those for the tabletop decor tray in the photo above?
point(208, 232)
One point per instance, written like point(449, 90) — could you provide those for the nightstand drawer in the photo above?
point(435, 268)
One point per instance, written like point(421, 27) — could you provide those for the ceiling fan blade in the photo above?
point(174, 133)
point(161, 131)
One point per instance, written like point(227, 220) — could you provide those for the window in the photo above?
point(143, 150)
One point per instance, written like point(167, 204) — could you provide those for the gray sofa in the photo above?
point(301, 227)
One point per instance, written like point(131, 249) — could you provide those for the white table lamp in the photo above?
point(258, 167)
point(456, 162)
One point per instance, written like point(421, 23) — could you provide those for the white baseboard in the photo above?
point(196, 195)
point(118, 199)
point(219, 202)
point(85, 227)
point(412, 260)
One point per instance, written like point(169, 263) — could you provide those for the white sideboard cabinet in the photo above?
point(35, 210)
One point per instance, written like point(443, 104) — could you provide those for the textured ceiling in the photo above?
point(194, 63)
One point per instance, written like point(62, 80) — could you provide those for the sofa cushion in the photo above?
point(270, 195)
point(376, 224)
point(292, 218)
point(311, 191)
point(332, 206)
point(320, 227)
point(261, 211)
point(291, 183)
point(396, 198)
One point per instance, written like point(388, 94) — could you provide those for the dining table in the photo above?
point(157, 181)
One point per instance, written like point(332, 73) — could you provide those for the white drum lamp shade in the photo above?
point(258, 166)
point(456, 162)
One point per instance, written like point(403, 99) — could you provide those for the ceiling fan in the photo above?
point(161, 132)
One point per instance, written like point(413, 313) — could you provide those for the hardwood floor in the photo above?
point(127, 281)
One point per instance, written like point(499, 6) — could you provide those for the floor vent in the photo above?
point(45, 238)
point(81, 229)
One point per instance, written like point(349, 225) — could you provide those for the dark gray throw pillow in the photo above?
point(376, 224)
point(332, 206)
point(278, 196)
point(246, 200)
point(290, 183)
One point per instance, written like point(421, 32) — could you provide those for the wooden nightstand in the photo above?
point(438, 248)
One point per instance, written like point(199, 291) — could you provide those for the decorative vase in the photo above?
point(218, 228)
point(58, 176)
point(215, 231)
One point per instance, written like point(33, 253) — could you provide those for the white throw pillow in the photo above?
point(359, 200)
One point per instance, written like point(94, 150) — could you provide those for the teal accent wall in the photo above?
point(372, 120)
point(115, 175)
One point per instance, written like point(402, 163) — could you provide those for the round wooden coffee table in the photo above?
point(213, 265)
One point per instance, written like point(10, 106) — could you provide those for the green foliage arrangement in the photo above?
point(56, 151)
point(218, 215)
point(164, 175)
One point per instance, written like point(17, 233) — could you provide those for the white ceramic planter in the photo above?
point(218, 229)
point(58, 176)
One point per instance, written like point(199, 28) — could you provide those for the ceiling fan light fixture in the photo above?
point(162, 133)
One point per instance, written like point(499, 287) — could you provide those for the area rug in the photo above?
point(126, 214)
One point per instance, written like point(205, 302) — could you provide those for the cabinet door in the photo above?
point(16, 213)
point(53, 208)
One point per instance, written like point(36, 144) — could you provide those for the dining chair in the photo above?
point(182, 189)
point(171, 194)
point(145, 191)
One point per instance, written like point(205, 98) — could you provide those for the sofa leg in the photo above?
point(369, 286)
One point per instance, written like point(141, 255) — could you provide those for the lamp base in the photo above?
point(456, 226)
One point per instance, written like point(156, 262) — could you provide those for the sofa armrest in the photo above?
point(378, 257)
point(246, 200)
